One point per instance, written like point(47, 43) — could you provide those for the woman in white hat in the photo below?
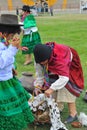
point(15, 113)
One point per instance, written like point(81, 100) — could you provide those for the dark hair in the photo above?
point(42, 52)
point(10, 29)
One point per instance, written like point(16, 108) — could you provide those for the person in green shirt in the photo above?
point(31, 36)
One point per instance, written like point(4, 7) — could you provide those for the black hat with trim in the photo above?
point(26, 8)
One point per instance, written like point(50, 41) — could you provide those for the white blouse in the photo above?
point(58, 84)
point(6, 61)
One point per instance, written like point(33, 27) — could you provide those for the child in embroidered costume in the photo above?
point(15, 113)
point(64, 72)
point(31, 36)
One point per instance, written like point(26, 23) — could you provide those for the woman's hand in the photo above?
point(37, 91)
point(49, 92)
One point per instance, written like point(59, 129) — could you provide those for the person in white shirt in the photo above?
point(15, 113)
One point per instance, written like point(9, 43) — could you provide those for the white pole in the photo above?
point(80, 7)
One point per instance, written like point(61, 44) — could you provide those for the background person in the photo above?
point(15, 113)
point(31, 35)
point(58, 69)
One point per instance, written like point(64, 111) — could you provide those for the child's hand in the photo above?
point(23, 48)
point(16, 41)
point(14, 72)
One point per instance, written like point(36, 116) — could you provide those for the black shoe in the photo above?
point(27, 73)
point(28, 62)
point(85, 97)
point(71, 119)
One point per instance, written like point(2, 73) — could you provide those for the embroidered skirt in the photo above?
point(63, 95)
point(30, 41)
point(15, 113)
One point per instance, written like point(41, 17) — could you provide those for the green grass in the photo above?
point(69, 29)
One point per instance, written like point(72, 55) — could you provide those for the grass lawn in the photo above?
point(69, 29)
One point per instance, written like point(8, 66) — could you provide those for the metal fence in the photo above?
point(72, 6)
